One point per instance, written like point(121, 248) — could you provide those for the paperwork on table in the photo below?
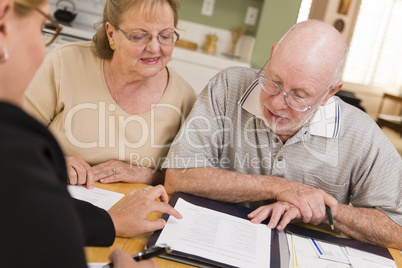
point(307, 252)
point(217, 236)
point(97, 197)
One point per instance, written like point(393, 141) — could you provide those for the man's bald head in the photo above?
point(316, 46)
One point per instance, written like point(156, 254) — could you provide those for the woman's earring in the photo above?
point(112, 46)
point(5, 56)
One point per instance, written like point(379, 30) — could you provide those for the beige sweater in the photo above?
point(70, 96)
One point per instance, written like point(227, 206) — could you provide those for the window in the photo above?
point(375, 55)
point(304, 10)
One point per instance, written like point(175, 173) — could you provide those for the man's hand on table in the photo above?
point(309, 200)
point(281, 213)
point(297, 202)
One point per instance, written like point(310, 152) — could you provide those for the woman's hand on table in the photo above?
point(119, 171)
point(121, 259)
point(130, 215)
point(79, 172)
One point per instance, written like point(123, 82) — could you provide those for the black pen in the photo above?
point(148, 253)
point(329, 215)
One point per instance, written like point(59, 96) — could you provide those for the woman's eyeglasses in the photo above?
point(51, 28)
point(143, 38)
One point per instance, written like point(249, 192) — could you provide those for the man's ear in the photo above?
point(332, 92)
point(273, 48)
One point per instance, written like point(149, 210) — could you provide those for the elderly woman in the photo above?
point(42, 225)
point(113, 104)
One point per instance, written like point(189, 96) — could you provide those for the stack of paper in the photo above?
point(217, 236)
point(309, 252)
point(97, 197)
point(96, 264)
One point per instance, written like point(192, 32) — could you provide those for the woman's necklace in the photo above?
point(136, 97)
point(115, 92)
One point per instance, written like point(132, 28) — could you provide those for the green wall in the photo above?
point(275, 17)
point(227, 13)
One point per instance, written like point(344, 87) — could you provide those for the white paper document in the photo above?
point(97, 197)
point(217, 236)
point(304, 254)
point(329, 251)
point(362, 259)
point(96, 264)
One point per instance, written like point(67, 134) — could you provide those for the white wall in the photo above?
point(327, 10)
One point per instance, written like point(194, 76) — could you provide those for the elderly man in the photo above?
point(281, 136)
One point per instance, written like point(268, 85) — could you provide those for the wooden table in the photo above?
point(131, 245)
point(135, 244)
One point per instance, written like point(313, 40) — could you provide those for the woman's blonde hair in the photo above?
point(23, 7)
point(113, 12)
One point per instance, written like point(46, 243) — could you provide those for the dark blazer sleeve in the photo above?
point(98, 226)
point(41, 224)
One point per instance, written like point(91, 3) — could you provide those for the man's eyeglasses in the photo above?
point(143, 38)
point(51, 29)
point(272, 88)
point(292, 101)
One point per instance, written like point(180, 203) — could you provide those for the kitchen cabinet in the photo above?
point(197, 68)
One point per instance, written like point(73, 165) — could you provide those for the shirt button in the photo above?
point(280, 158)
point(276, 140)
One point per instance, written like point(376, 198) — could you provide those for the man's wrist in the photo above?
point(274, 187)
